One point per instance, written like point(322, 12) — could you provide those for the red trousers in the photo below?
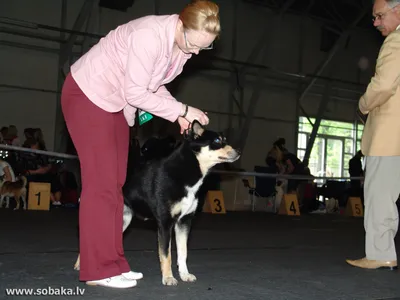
point(101, 140)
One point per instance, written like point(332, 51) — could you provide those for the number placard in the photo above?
point(39, 196)
point(289, 205)
point(214, 203)
point(354, 207)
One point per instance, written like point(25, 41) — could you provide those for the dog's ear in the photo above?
point(197, 128)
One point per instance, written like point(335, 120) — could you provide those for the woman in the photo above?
point(125, 71)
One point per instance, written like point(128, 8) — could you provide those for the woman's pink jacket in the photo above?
point(129, 67)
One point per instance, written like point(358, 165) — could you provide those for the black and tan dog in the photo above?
point(166, 190)
point(16, 189)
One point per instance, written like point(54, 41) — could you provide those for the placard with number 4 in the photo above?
point(289, 205)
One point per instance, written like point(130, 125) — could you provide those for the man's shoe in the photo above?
point(118, 281)
point(132, 275)
point(372, 264)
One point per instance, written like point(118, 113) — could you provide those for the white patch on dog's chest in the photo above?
point(189, 203)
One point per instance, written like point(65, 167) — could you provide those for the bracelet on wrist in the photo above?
point(186, 111)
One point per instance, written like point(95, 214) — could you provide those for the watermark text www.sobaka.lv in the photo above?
point(49, 291)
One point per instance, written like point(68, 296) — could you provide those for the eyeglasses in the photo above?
point(382, 15)
point(187, 46)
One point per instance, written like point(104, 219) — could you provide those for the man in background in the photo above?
point(381, 144)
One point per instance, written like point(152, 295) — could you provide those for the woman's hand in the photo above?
point(194, 114)
point(185, 124)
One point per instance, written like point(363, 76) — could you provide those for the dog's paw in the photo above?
point(169, 281)
point(187, 277)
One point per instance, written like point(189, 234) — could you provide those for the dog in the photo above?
point(166, 189)
point(16, 189)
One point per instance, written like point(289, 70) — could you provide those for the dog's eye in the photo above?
point(217, 141)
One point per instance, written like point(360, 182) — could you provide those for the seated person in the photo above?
point(293, 163)
point(12, 136)
point(3, 134)
point(29, 134)
point(36, 134)
point(274, 160)
point(294, 166)
point(38, 169)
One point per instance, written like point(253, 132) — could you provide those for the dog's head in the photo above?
point(209, 146)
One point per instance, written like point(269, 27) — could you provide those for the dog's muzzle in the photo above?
point(231, 156)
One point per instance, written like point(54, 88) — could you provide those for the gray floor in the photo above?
point(238, 256)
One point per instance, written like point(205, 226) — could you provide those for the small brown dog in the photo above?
point(15, 189)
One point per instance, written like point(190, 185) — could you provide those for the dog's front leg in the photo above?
point(182, 229)
point(164, 252)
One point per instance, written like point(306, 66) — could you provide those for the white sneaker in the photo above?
point(132, 275)
point(118, 281)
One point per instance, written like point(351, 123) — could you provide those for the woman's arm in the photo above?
point(144, 51)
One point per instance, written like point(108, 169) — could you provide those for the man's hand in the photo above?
point(362, 117)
